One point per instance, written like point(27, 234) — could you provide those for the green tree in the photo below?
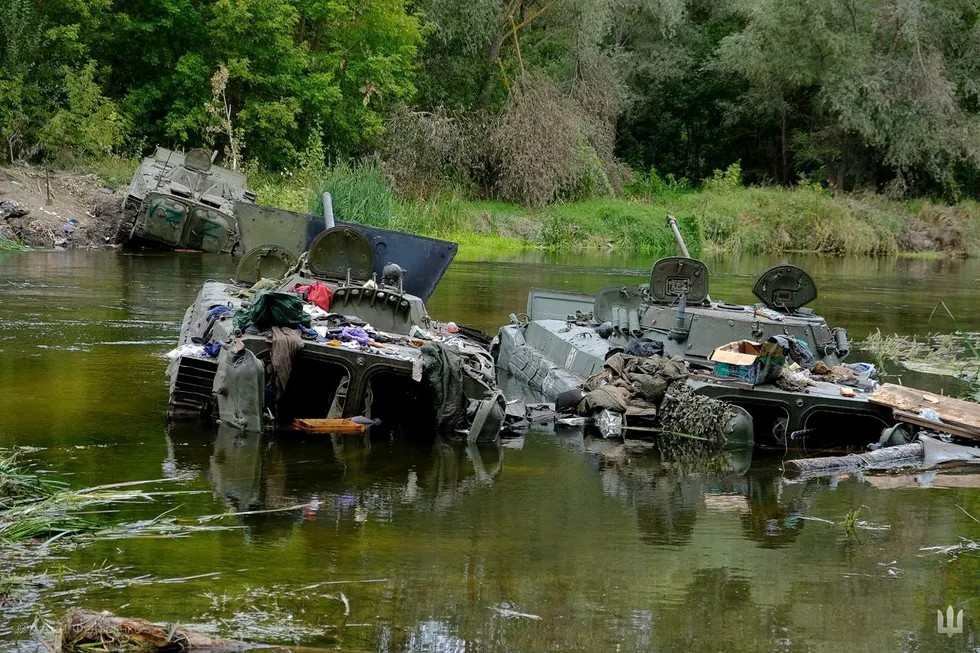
point(885, 83)
point(88, 125)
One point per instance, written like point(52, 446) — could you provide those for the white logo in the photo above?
point(951, 626)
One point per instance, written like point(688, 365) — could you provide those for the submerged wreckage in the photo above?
point(324, 323)
point(664, 356)
point(182, 201)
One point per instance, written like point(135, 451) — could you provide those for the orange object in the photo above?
point(332, 426)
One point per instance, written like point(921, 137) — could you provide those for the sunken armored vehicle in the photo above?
point(182, 201)
point(323, 324)
point(741, 355)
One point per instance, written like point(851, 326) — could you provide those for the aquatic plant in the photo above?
point(42, 508)
point(19, 484)
point(954, 354)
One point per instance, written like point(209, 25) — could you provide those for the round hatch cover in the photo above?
point(197, 159)
point(264, 262)
point(785, 287)
point(338, 249)
point(678, 276)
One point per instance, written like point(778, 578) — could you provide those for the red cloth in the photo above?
point(316, 293)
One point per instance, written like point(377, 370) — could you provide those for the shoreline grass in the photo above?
point(723, 216)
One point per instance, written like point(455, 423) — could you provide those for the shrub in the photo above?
point(88, 126)
point(537, 143)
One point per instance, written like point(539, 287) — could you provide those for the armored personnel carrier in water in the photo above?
point(325, 323)
point(182, 201)
point(733, 353)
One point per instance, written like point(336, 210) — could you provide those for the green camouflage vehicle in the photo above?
point(182, 201)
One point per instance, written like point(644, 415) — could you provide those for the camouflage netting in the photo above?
point(684, 412)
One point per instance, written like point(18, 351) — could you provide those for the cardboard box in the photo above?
point(747, 361)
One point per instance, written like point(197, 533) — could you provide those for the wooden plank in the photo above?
point(946, 427)
point(956, 412)
point(332, 426)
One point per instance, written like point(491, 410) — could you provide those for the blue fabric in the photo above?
point(218, 311)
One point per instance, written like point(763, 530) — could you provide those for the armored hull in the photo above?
point(182, 201)
point(564, 339)
point(316, 335)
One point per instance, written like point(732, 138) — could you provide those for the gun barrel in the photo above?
point(672, 223)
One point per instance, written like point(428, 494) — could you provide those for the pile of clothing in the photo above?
point(632, 385)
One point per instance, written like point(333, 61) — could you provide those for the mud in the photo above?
point(58, 209)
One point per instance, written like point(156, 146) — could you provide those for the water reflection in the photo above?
point(612, 549)
point(668, 491)
point(334, 478)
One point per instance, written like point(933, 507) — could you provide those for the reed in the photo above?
point(39, 508)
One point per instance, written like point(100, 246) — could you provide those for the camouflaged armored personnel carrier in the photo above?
point(565, 339)
point(182, 201)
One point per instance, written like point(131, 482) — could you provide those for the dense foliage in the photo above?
point(525, 100)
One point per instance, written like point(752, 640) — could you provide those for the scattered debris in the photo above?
point(84, 631)
point(506, 610)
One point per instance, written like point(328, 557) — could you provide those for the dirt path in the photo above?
point(77, 211)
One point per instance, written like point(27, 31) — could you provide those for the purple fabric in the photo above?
point(355, 333)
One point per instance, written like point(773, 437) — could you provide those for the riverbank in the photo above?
point(720, 217)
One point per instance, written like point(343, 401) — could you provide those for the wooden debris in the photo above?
point(919, 420)
point(957, 413)
point(83, 630)
point(898, 456)
point(927, 452)
point(332, 426)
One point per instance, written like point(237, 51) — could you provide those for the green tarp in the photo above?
point(272, 309)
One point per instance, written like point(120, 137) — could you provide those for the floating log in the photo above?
point(898, 456)
point(332, 426)
point(927, 452)
point(83, 630)
point(963, 416)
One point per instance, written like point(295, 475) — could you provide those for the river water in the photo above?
point(553, 543)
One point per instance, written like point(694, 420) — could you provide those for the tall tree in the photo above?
point(895, 76)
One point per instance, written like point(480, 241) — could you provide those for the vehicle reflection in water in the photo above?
point(669, 490)
point(337, 478)
point(331, 477)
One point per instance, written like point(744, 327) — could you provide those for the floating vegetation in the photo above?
point(947, 354)
point(42, 509)
point(281, 613)
point(41, 517)
point(964, 546)
point(954, 354)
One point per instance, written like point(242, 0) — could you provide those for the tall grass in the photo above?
point(359, 193)
point(721, 216)
point(9, 245)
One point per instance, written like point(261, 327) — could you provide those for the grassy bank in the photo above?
point(721, 216)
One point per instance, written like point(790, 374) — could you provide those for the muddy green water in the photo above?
point(553, 543)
